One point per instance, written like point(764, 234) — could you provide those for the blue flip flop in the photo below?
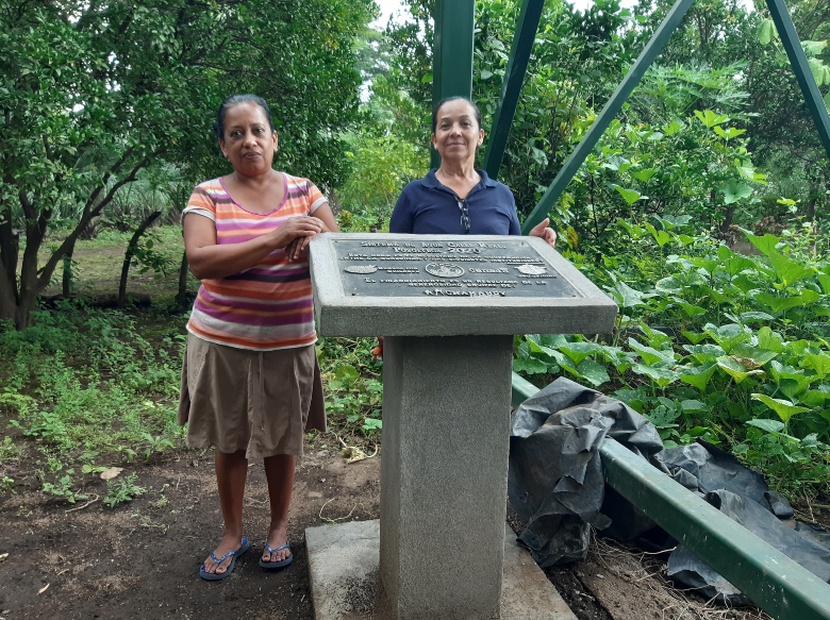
point(230, 554)
point(276, 565)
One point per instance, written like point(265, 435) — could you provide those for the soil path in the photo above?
point(141, 559)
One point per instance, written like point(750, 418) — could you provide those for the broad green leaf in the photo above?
point(346, 373)
point(693, 406)
point(703, 352)
point(777, 304)
point(770, 426)
point(663, 417)
point(733, 262)
point(765, 244)
point(643, 175)
point(710, 119)
point(708, 263)
point(593, 372)
point(752, 357)
point(670, 285)
point(820, 71)
point(727, 336)
point(657, 338)
point(694, 337)
point(733, 191)
point(698, 376)
point(651, 355)
point(691, 310)
point(627, 297)
point(552, 341)
point(661, 376)
point(616, 162)
point(820, 363)
point(636, 232)
point(735, 369)
point(578, 351)
point(729, 132)
point(673, 127)
point(770, 340)
point(673, 221)
point(629, 195)
point(766, 31)
point(544, 351)
point(756, 317)
point(788, 270)
point(661, 237)
point(814, 398)
point(783, 408)
point(529, 365)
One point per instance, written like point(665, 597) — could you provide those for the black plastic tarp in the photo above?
point(556, 486)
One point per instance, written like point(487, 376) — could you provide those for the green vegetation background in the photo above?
point(702, 211)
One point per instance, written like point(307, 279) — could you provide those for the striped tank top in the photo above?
point(268, 306)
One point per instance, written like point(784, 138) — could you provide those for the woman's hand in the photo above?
point(298, 247)
point(377, 352)
point(543, 230)
point(326, 222)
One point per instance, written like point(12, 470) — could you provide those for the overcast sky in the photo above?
point(388, 7)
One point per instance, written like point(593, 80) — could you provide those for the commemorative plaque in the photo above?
point(447, 268)
point(432, 281)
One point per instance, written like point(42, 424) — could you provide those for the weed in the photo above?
point(61, 487)
point(121, 491)
point(6, 485)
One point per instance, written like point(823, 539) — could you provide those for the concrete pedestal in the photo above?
point(446, 423)
point(345, 584)
point(448, 308)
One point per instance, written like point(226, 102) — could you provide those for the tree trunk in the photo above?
point(181, 296)
point(128, 256)
point(68, 280)
point(9, 248)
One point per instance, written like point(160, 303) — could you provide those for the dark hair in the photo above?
point(447, 100)
point(233, 100)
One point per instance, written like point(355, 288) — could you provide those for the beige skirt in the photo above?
point(261, 402)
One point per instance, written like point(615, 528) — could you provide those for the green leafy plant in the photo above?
point(122, 490)
point(726, 347)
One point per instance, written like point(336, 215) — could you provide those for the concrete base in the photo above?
point(344, 572)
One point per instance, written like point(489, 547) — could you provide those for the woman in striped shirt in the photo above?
point(250, 382)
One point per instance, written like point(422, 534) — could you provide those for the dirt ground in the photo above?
point(141, 559)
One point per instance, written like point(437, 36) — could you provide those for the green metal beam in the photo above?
point(611, 109)
point(798, 60)
point(526, 28)
point(452, 54)
point(774, 582)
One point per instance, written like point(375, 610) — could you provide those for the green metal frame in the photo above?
point(452, 52)
point(526, 29)
point(773, 581)
point(798, 60)
point(611, 109)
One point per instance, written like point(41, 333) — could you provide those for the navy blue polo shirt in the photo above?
point(426, 207)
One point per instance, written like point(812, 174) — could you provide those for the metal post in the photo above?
point(452, 64)
point(798, 59)
point(526, 28)
point(612, 107)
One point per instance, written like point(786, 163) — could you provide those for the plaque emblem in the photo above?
point(361, 269)
point(531, 270)
point(444, 270)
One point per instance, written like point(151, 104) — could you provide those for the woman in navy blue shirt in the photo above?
point(456, 198)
